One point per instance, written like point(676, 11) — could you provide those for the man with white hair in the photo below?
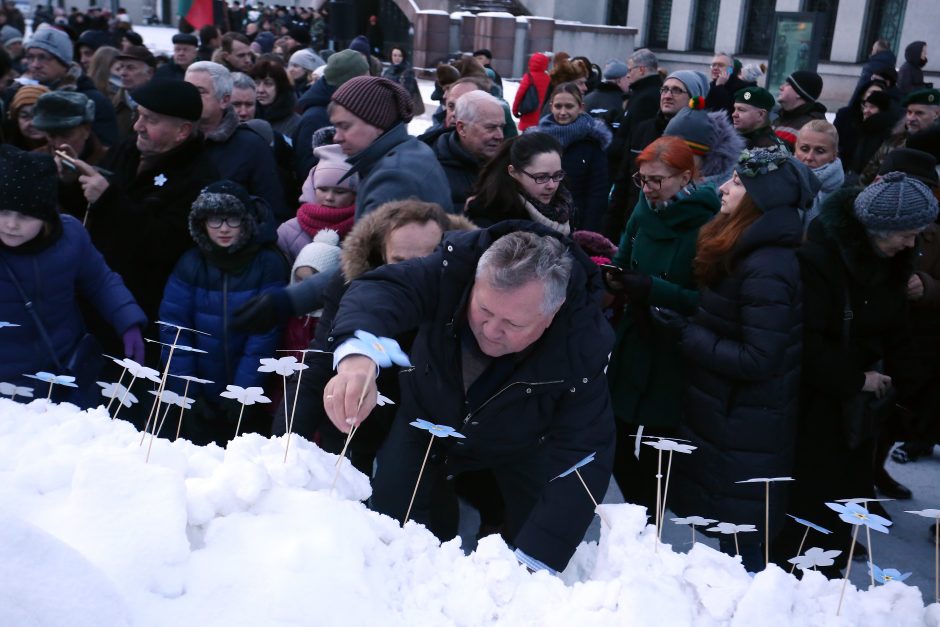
point(475, 138)
point(510, 355)
point(239, 153)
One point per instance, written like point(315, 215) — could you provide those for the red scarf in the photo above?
point(313, 217)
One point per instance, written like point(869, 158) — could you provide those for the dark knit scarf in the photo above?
point(313, 217)
point(281, 108)
point(558, 210)
point(228, 261)
point(49, 235)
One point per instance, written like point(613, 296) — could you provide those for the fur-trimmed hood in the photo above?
point(838, 225)
point(727, 144)
point(362, 250)
point(584, 127)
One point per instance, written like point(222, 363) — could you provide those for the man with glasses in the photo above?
point(49, 58)
point(725, 84)
point(676, 92)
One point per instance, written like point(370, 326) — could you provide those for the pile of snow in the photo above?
point(92, 535)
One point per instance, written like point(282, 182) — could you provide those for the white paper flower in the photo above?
point(117, 391)
point(3, 325)
point(179, 347)
point(815, 557)
point(766, 480)
point(695, 521)
point(191, 379)
point(8, 389)
point(56, 379)
point(665, 444)
point(167, 397)
point(284, 366)
point(138, 371)
point(176, 326)
point(729, 528)
point(381, 400)
point(245, 396)
point(926, 513)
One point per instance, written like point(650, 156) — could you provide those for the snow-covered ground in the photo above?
point(94, 536)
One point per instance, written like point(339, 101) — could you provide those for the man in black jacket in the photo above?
point(725, 84)
point(510, 352)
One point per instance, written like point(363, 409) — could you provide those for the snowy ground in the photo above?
point(94, 536)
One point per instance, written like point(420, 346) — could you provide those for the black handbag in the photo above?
point(863, 415)
point(530, 99)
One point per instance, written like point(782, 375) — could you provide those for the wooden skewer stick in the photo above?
point(659, 483)
point(155, 409)
point(597, 508)
point(799, 551)
point(127, 391)
point(179, 425)
point(418, 482)
point(155, 431)
point(238, 426)
point(848, 570)
point(352, 430)
point(49, 395)
point(290, 425)
point(737, 550)
point(662, 514)
point(114, 391)
point(871, 560)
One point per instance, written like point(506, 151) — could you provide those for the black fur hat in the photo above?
point(223, 198)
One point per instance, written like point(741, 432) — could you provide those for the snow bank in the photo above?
point(93, 535)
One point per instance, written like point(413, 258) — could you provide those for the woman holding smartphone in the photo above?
point(655, 258)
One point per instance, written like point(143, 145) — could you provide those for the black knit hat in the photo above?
point(879, 99)
point(917, 163)
point(28, 183)
point(897, 202)
point(186, 39)
point(807, 84)
point(773, 178)
point(375, 100)
point(166, 96)
point(223, 198)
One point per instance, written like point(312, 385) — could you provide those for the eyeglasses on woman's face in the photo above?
point(541, 178)
point(215, 222)
point(654, 183)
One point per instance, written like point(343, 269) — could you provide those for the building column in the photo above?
point(679, 25)
point(636, 17)
point(848, 32)
point(730, 20)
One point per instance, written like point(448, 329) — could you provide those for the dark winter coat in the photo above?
point(764, 137)
point(911, 76)
point(536, 75)
point(837, 257)
point(584, 161)
point(105, 124)
point(397, 166)
point(742, 349)
point(280, 114)
point(877, 63)
point(606, 104)
point(403, 74)
point(140, 223)
point(460, 167)
point(556, 395)
point(68, 267)
point(241, 155)
point(645, 367)
point(642, 104)
point(721, 97)
point(313, 116)
point(871, 134)
point(788, 123)
point(170, 70)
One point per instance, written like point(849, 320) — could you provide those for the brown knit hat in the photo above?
point(375, 100)
point(27, 95)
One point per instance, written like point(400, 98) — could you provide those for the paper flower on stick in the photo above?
point(694, 521)
point(118, 391)
point(179, 347)
point(729, 528)
point(664, 444)
point(855, 514)
point(807, 523)
point(137, 371)
point(191, 379)
point(4, 325)
point(438, 431)
point(584, 462)
point(167, 397)
point(926, 513)
point(888, 574)
point(382, 350)
point(382, 401)
point(57, 379)
point(815, 557)
point(245, 396)
point(766, 480)
point(284, 366)
point(8, 389)
point(176, 326)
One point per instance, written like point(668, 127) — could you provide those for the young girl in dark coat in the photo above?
point(584, 141)
point(235, 259)
point(742, 349)
point(49, 259)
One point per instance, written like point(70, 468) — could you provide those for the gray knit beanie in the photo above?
point(897, 202)
point(695, 82)
point(53, 41)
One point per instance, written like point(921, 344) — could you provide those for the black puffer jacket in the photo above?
point(743, 354)
point(911, 74)
point(554, 402)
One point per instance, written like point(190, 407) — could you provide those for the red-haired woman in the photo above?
point(742, 350)
point(655, 253)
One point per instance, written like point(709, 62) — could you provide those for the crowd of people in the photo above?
point(619, 254)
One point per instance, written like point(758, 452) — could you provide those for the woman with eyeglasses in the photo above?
point(584, 141)
point(654, 269)
point(523, 181)
point(235, 259)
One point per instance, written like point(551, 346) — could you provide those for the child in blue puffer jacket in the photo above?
point(235, 259)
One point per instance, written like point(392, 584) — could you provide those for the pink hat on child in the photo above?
point(329, 172)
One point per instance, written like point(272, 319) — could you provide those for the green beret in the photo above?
point(922, 97)
point(756, 97)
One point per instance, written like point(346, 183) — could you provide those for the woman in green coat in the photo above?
point(655, 255)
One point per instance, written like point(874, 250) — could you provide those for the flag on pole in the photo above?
point(197, 12)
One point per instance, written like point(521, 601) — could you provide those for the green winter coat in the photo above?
point(645, 367)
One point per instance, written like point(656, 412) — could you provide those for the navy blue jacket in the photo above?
point(555, 401)
point(312, 106)
point(54, 278)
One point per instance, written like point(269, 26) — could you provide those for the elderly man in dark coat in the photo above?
point(511, 353)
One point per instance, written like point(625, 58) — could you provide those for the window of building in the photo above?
point(658, 13)
point(617, 12)
point(759, 26)
point(705, 25)
point(883, 21)
point(827, 25)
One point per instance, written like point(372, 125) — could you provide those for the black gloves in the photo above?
point(263, 313)
point(671, 321)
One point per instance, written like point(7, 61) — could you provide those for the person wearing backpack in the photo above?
point(537, 79)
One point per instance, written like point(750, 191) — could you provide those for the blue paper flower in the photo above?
point(888, 574)
point(439, 431)
point(584, 462)
point(57, 379)
point(382, 350)
point(807, 523)
point(855, 514)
